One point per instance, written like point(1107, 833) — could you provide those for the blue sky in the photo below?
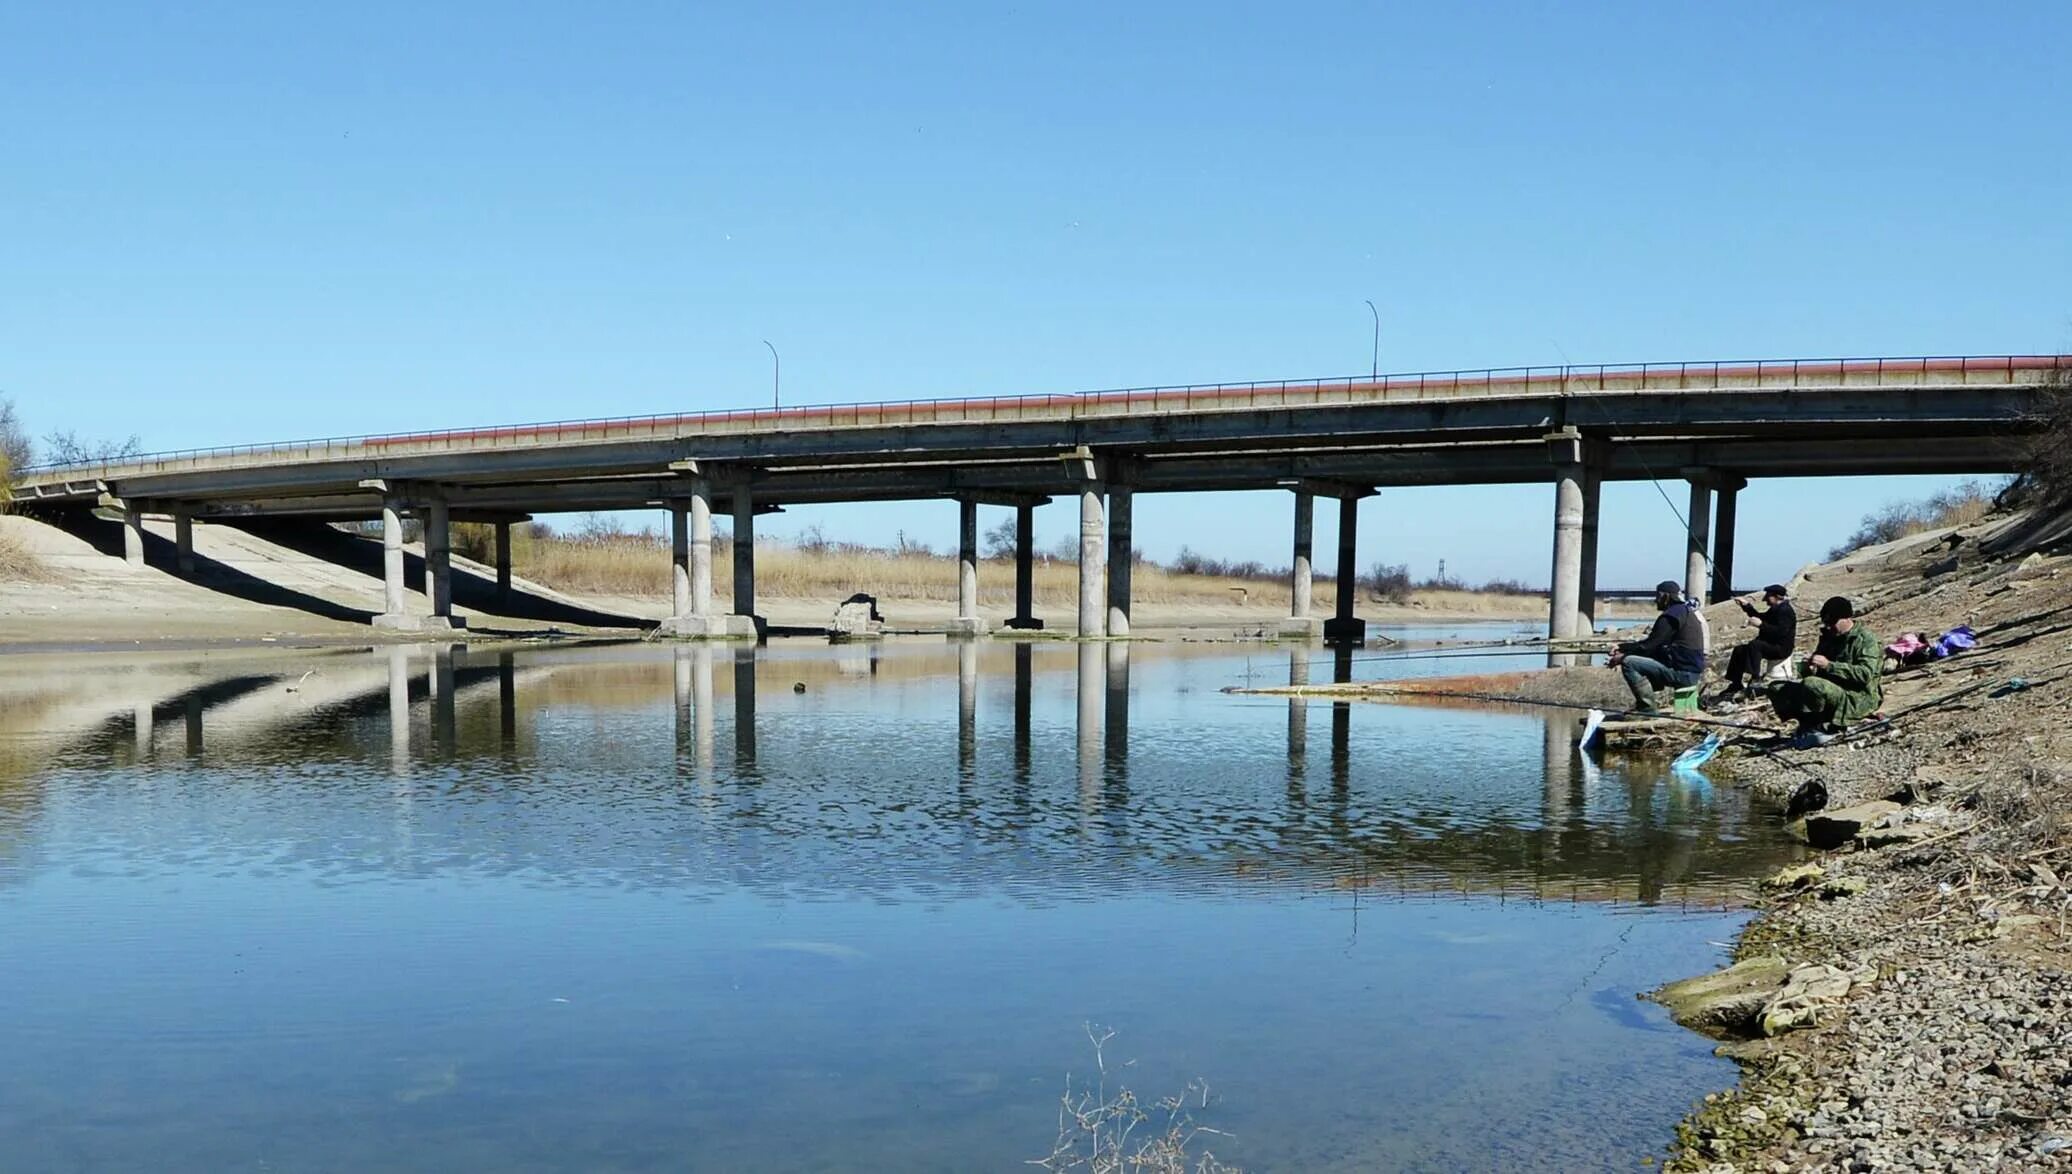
point(223, 223)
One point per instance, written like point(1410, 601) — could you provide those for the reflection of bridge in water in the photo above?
point(446, 710)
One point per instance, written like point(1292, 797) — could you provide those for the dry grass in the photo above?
point(17, 564)
point(637, 564)
point(1098, 1129)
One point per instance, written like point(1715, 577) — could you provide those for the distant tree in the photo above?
point(1390, 581)
point(69, 448)
point(1004, 539)
point(16, 453)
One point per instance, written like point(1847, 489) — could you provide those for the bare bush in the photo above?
point(17, 564)
point(69, 448)
point(1115, 1133)
point(1390, 582)
point(1960, 506)
point(16, 453)
point(2047, 476)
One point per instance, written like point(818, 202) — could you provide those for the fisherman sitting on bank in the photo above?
point(1673, 654)
point(1841, 677)
point(1777, 629)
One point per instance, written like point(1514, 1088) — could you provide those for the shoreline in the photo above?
point(1904, 1000)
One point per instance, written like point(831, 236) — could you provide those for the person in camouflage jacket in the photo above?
point(1841, 679)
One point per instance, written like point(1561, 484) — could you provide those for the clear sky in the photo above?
point(224, 223)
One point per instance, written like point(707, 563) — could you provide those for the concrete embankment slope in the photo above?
point(246, 586)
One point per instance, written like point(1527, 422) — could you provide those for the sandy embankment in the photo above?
point(253, 589)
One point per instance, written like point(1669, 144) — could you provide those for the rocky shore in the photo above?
point(1904, 1000)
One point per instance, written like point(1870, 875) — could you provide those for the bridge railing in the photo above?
point(1499, 382)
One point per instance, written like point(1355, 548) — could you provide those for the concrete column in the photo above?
point(507, 699)
point(701, 548)
point(1723, 539)
point(194, 738)
point(968, 622)
point(1120, 558)
point(1305, 546)
point(438, 559)
point(744, 552)
point(1697, 550)
point(1025, 569)
point(183, 544)
point(679, 560)
point(141, 729)
point(133, 536)
point(1586, 591)
point(394, 613)
point(1565, 599)
point(1093, 554)
point(503, 562)
point(1344, 628)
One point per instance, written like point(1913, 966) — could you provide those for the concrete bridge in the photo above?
point(1713, 425)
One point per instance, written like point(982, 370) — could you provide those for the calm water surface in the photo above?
point(652, 908)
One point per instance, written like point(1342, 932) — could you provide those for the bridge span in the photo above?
point(1714, 425)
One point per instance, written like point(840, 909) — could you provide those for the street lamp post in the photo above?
point(1374, 366)
point(777, 375)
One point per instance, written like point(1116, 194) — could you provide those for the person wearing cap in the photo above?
point(1776, 630)
point(1672, 655)
point(1841, 682)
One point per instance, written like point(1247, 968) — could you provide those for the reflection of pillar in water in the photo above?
point(1560, 772)
point(1024, 680)
point(1118, 714)
point(142, 722)
point(744, 708)
point(967, 709)
point(507, 699)
point(1298, 706)
point(194, 727)
point(443, 735)
point(701, 712)
point(685, 719)
point(399, 705)
point(1341, 724)
point(1090, 691)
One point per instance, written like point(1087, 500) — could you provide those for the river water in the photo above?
point(640, 907)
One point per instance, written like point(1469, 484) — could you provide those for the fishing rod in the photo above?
point(1619, 714)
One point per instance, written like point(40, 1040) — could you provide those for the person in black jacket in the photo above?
point(1776, 631)
point(1672, 655)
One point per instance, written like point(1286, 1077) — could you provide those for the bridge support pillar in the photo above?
point(395, 614)
point(1593, 484)
point(1025, 569)
point(968, 621)
point(744, 559)
point(1301, 624)
point(183, 545)
point(690, 551)
point(1345, 629)
point(503, 562)
point(133, 535)
point(438, 562)
point(1574, 526)
point(1093, 557)
point(1698, 539)
point(1723, 538)
point(1120, 556)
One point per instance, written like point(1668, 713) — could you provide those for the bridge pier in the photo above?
point(1593, 484)
point(503, 562)
point(1565, 596)
point(1120, 557)
point(438, 564)
point(1723, 538)
point(1093, 553)
point(1698, 544)
point(183, 544)
point(1025, 569)
point(396, 615)
point(690, 550)
point(1300, 624)
point(132, 535)
point(968, 621)
point(744, 559)
point(1345, 629)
